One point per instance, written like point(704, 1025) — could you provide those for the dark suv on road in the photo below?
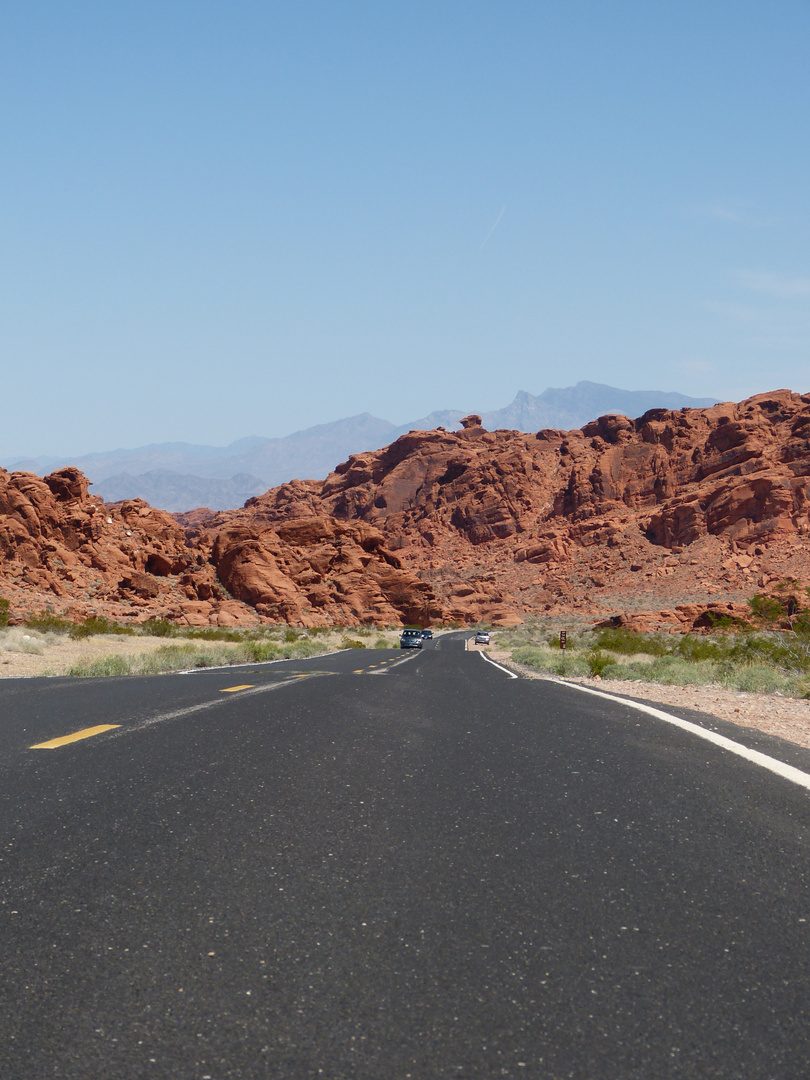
point(410, 639)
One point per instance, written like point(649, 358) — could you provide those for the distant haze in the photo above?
point(182, 476)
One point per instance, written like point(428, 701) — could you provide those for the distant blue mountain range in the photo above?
point(182, 476)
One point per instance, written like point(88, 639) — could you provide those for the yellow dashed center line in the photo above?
point(85, 733)
point(233, 689)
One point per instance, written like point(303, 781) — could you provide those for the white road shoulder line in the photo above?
point(506, 671)
point(788, 772)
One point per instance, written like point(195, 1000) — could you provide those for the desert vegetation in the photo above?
point(773, 657)
point(177, 648)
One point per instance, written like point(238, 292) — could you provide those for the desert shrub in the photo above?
point(702, 648)
point(303, 649)
point(788, 584)
point(260, 651)
point(570, 666)
point(352, 643)
point(158, 628)
point(542, 658)
point(291, 635)
point(4, 611)
point(671, 671)
point(214, 633)
point(717, 620)
point(105, 666)
point(790, 651)
point(758, 679)
point(381, 643)
point(97, 624)
point(46, 621)
point(598, 661)
point(767, 608)
point(628, 642)
point(534, 657)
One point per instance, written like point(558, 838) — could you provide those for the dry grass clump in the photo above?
point(17, 639)
point(49, 645)
point(212, 648)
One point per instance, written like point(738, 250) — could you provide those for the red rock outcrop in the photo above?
point(504, 524)
point(643, 519)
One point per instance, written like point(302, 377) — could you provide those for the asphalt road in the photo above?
point(390, 865)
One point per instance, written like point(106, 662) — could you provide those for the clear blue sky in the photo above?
point(221, 219)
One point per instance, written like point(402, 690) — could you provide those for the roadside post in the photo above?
point(563, 640)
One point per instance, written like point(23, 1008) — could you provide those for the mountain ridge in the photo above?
point(167, 475)
point(668, 521)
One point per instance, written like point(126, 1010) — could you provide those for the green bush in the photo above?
point(46, 621)
point(105, 666)
point(758, 679)
point(766, 607)
point(702, 648)
point(598, 661)
point(4, 611)
point(629, 643)
point(214, 633)
point(352, 643)
point(260, 651)
point(158, 628)
point(716, 620)
point(669, 671)
point(97, 624)
point(542, 658)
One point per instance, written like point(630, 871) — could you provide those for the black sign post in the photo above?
point(563, 639)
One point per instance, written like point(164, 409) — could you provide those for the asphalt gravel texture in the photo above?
point(391, 865)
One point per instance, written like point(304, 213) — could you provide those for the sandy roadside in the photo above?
point(25, 654)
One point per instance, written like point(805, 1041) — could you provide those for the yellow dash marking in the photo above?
point(232, 689)
point(302, 675)
point(85, 733)
point(359, 671)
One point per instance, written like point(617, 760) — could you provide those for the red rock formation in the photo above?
point(620, 518)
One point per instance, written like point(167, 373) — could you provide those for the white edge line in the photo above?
point(500, 667)
point(787, 772)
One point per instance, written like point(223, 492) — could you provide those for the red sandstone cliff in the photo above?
point(672, 509)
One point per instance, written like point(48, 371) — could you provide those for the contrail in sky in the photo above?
point(494, 227)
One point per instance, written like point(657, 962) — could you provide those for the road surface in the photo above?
point(390, 865)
